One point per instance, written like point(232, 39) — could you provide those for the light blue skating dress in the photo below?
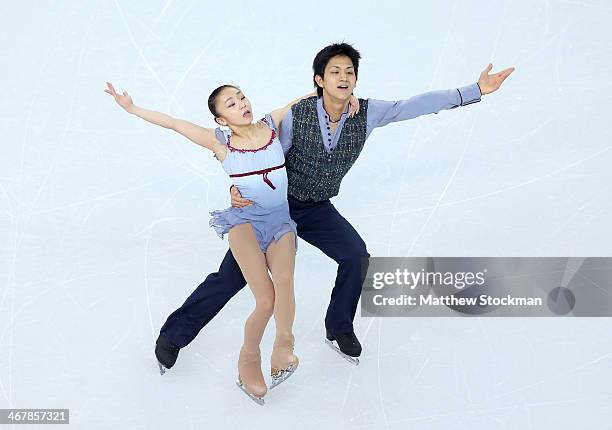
point(261, 177)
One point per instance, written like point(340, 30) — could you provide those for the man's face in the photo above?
point(233, 107)
point(339, 78)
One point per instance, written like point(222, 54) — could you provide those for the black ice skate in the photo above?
point(166, 353)
point(345, 344)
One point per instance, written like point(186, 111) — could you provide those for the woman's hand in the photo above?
point(353, 106)
point(125, 101)
point(489, 83)
point(237, 200)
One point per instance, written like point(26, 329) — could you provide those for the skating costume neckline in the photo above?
point(272, 136)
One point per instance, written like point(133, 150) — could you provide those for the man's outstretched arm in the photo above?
point(381, 112)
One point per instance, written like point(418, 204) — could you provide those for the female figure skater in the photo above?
point(262, 235)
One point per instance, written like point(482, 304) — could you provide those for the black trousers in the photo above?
point(318, 223)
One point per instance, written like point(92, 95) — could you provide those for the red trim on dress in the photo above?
point(256, 149)
point(258, 172)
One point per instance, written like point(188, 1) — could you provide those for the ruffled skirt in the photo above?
point(269, 224)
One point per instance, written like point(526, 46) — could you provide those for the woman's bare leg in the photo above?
point(252, 262)
point(280, 256)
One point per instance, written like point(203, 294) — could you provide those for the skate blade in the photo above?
point(162, 369)
point(283, 375)
point(259, 400)
point(332, 345)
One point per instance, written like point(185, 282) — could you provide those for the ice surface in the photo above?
point(104, 217)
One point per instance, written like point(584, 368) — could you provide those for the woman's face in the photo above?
point(233, 107)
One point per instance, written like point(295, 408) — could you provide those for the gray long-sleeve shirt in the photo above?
point(382, 112)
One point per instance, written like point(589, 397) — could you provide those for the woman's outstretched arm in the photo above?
point(202, 136)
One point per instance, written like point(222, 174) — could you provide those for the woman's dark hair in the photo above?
point(324, 55)
point(212, 98)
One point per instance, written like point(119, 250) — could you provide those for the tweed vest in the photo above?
point(312, 172)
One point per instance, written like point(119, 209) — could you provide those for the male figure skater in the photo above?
point(321, 144)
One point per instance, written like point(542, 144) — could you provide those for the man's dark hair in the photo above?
point(212, 99)
point(324, 55)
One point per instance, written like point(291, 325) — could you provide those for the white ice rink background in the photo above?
point(104, 217)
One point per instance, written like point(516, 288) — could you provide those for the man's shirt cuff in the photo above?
point(469, 94)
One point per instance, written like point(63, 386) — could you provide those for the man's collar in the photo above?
point(322, 109)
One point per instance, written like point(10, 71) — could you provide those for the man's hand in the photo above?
point(237, 200)
point(489, 83)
